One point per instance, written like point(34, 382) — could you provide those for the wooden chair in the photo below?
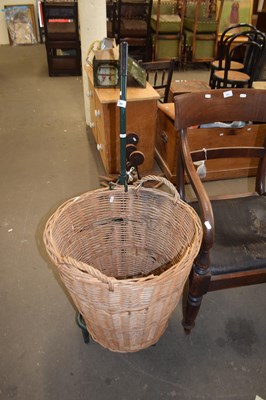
point(233, 251)
point(159, 75)
point(249, 53)
point(201, 30)
point(133, 27)
point(227, 34)
point(167, 29)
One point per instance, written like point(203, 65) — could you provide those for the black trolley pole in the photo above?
point(123, 56)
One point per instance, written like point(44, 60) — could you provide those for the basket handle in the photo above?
point(161, 180)
point(94, 272)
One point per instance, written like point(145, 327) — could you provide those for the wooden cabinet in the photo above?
point(167, 142)
point(141, 113)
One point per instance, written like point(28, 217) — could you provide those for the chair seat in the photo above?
point(208, 37)
point(167, 46)
point(204, 26)
point(167, 7)
point(131, 27)
point(240, 235)
point(236, 66)
point(233, 76)
point(167, 23)
point(204, 46)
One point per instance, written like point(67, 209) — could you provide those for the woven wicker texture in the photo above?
point(124, 258)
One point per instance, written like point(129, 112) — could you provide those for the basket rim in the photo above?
point(58, 259)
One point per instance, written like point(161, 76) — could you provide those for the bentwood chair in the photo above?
point(233, 251)
point(227, 34)
point(249, 52)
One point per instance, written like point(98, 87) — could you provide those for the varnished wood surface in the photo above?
point(168, 109)
point(238, 257)
point(232, 76)
point(112, 95)
point(186, 86)
point(105, 123)
point(167, 139)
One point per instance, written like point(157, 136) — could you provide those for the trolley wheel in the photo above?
point(129, 149)
point(132, 138)
point(81, 324)
point(136, 158)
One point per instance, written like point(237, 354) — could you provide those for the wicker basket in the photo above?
point(124, 257)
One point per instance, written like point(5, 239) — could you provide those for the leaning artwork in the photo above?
point(234, 12)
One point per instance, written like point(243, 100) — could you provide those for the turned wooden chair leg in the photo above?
point(199, 281)
point(190, 312)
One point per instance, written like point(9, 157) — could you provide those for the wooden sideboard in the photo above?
point(141, 113)
point(167, 142)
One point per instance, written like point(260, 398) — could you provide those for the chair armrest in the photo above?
point(205, 208)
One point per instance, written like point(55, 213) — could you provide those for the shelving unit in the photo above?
point(62, 42)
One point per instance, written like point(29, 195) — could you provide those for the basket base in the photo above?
point(86, 336)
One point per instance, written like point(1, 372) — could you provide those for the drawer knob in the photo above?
point(97, 113)
point(99, 147)
point(89, 93)
point(91, 125)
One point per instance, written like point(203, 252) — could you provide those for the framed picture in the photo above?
point(234, 12)
point(21, 24)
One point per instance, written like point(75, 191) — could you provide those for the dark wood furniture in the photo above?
point(261, 21)
point(111, 13)
point(132, 25)
point(159, 74)
point(62, 42)
point(233, 251)
point(259, 14)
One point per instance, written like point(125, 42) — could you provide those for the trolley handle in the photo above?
point(163, 181)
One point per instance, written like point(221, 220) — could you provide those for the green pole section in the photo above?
point(123, 55)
